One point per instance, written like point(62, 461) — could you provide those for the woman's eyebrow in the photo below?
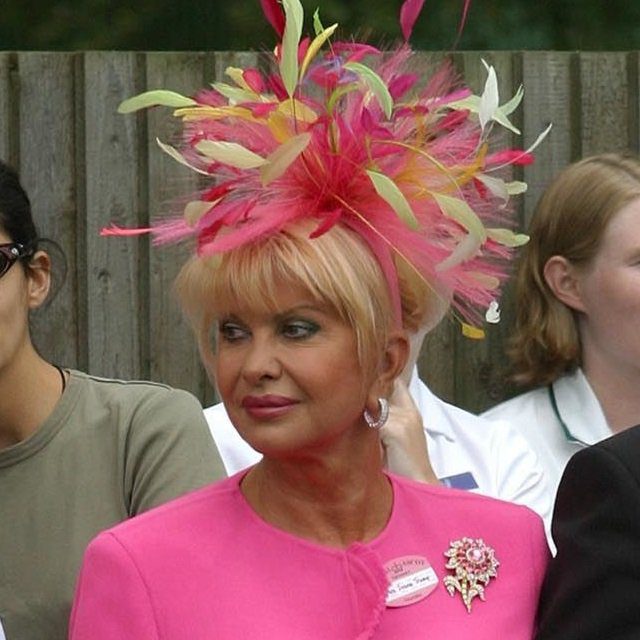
point(300, 307)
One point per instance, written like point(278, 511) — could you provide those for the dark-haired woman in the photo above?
point(77, 453)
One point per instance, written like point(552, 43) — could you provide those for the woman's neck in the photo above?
point(30, 388)
point(617, 390)
point(331, 502)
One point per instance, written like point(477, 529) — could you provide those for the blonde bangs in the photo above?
point(336, 269)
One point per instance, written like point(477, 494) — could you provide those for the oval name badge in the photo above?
point(411, 579)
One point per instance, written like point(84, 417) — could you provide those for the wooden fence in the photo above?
point(85, 166)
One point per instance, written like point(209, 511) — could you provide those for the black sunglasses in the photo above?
point(9, 253)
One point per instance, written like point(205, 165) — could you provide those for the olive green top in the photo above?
point(109, 450)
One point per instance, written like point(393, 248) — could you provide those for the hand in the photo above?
point(404, 443)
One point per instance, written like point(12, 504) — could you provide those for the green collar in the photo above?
point(554, 405)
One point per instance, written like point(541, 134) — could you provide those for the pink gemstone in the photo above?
point(475, 555)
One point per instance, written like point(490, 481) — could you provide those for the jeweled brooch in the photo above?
point(474, 564)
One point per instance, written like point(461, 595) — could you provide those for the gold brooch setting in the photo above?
point(473, 564)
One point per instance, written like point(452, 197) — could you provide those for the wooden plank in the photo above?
point(548, 98)
point(546, 77)
point(218, 61)
point(633, 66)
point(216, 64)
point(436, 361)
point(116, 267)
point(605, 102)
point(82, 276)
point(47, 171)
point(5, 106)
point(479, 364)
point(173, 353)
point(122, 292)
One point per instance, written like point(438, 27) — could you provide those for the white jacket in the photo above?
point(556, 434)
point(466, 451)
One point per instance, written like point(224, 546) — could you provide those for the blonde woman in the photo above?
point(308, 269)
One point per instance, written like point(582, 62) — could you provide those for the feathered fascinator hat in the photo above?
point(340, 132)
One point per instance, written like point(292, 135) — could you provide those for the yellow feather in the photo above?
point(475, 333)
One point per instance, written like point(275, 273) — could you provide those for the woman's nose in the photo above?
point(261, 361)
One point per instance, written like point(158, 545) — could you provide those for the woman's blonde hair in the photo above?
point(337, 269)
point(569, 221)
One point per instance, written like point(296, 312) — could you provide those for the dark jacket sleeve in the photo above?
point(592, 587)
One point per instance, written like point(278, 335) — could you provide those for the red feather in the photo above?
point(303, 48)
point(480, 188)
point(401, 84)
point(274, 14)
point(454, 119)
point(409, 13)
point(114, 230)
point(254, 79)
point(330, 218)
point(510, 156)
point(428, 145)
point(463, 20)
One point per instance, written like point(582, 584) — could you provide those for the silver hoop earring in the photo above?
point(372, 423)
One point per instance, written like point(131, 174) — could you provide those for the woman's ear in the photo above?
point(563, 278)
point(39, 278)
point(396, 355)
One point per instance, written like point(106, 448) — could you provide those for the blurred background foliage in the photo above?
point(217, 25)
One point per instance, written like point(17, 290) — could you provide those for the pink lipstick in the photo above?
point(267, 406)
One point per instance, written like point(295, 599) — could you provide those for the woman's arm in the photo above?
point(403, 438)
point(111, 598)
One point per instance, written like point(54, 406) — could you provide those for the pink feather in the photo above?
point(401, 84)
point(114, 230)
point(274, 14)
point(510, 156)
point(354, 51)
point(331, 218)
point(454, 119)
point(409, 13)
point(463, 19)
point(481, 188)
point(427, 146)
point(254, 79)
